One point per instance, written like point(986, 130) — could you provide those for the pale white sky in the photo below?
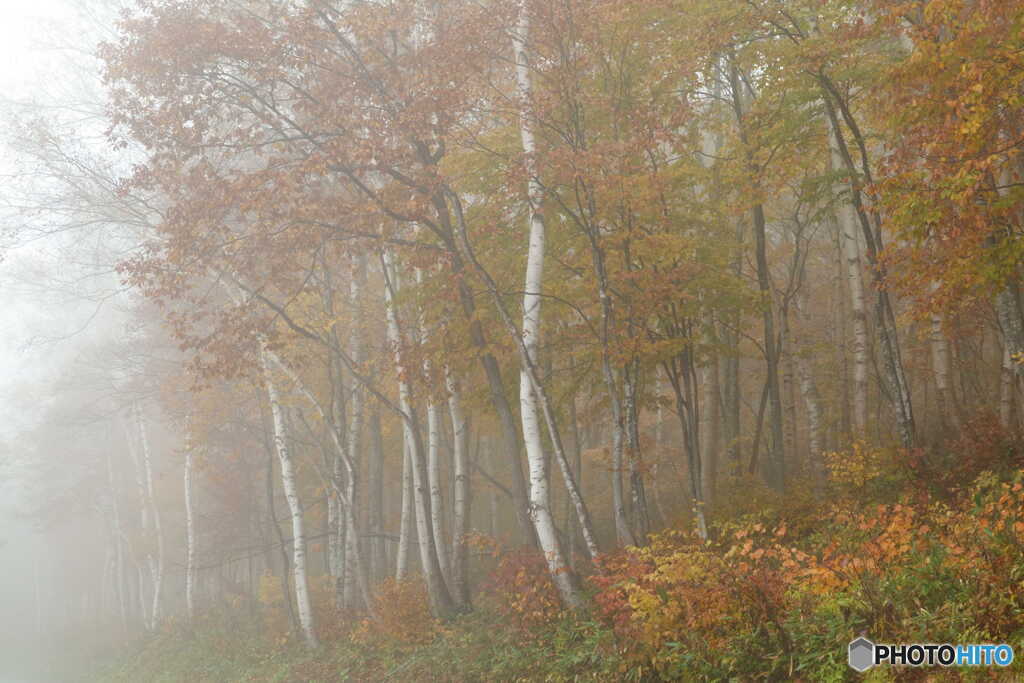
point(43, 57)
point(30, 67)
point(25, 28)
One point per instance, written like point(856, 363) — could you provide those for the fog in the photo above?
point(463, 340)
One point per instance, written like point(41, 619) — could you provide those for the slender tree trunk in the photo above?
point(712, 434)
point(623, 532)
point(640, 515)
point(540, 505)
point(731, 370)
point(775, 470)
point(789, 387)
point(776, 452)
point(143, 609)
point(1011, 321)
point(143, 520)
point(893, 373)
point(405, 526)
point(1007, 378)
point(441, 602)
point(510, 435)
point(945, 398)
point(156, 567)
point(659, 448)
point(375, 498)
point(810, 393)
point(528, 367)
point(489, 461)
point(433, 455)
point(286, 590)
point(291, 493)
point(119, 536)
point(847, 221)
point(462, 493)
point(352, 574)
point(682, 377)
point(190, 540)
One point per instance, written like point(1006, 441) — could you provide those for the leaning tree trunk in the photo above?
point(893, 373)
point(775, 471)
point(441, 602)
point(683, 379)
point(291, 493)
point(540, 503)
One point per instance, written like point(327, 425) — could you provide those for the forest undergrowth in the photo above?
point(921, 546)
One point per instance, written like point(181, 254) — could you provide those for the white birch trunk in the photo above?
point(540, 505)
point(190, 537)
point(437, 589)
point(119, 540)
point(811, 396)
point(940, 367)
point(355, 430)
point(143, 522)
point(405, 528)
point(433, 454)
point(710, 430)
point(291, 494)
point(156, 567)
point(848, 228)
point(461, 502)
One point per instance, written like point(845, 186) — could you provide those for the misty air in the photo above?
point(542, 340)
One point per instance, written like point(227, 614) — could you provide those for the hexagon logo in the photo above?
point(862, 654)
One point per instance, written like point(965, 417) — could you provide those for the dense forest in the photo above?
point(536, 340)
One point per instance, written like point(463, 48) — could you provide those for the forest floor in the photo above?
point(922, 547)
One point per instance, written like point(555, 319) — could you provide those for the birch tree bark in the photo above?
point(462, 493)
point(291, 492)
point(712, 428)
point(190, 539)
point(945, 397)
point(810, 393)
point(847, 221)
point(156, 567)
point(375, 498)
point(1009, 306)
point(892, 372)
point(143, 523)
point(355, 431)
point(119, 541)
point(433, 453)
point(441, 602)
point(540, 504)
point(405, 526)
